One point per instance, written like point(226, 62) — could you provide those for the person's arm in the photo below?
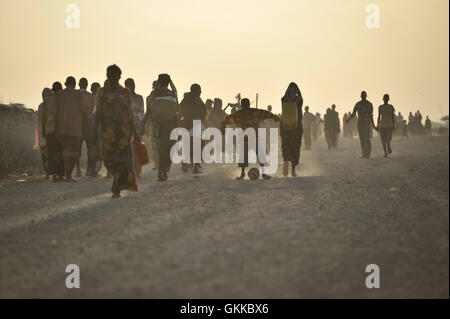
point(98, 114)
point(147, 113)
point(393, 118)
point(44, 116)
point(371, 119)
point(379, 117)
point(353, 113)
point(270, 116)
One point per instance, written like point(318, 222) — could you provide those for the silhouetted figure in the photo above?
point(245, 118)
point(316, 131)
point(209, 106)
point(404, 130)
point(308, 122)
point(70, 108)
point(217, 115)
point(336, 123)
point(193, 108)
point(386, 124)
point(115, 117)
point(162, 107)
point(151, 132)
point(345, 126)
point(331, 128)
point(365, 119)
point(137, 106)
point(398, 124)
point(428, 126)
point(269, 108)
point(49, 129)
point(40, 133)
point(291, 135)
point(86, 129)
point(94, 153)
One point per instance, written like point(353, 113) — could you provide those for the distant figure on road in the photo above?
point(345, 125)
point(428, 126)
point(404, 130)
point(308, 122)
point(331, 128)
point(316, 127)
point(386, 124)
point(115, 116)
point(365, 119)
point(337, 123)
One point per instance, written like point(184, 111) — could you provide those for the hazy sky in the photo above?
point(231, 46)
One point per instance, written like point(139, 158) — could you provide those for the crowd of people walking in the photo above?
point(111, 120)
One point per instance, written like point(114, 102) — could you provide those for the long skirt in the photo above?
point(118, 160)
point(291, 142)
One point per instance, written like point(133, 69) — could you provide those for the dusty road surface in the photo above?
point(215, 237)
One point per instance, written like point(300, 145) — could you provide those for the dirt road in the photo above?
point(215, 237)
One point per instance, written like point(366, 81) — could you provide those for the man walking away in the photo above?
point(365, 118)
point(193, 108)
point(70, 109)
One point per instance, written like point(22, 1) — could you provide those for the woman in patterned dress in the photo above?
point(115, 116)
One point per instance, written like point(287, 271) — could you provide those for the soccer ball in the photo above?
point(253, 173)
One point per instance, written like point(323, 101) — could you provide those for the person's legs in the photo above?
point(368, 144)
point(284, 152)
point(43, 150)
point(77, 160)
point(164, 145)
point(243, 157)
point(54, 161)
point(364, 137)
point(307, 138)
point(389, 139)
point(383, 135)
point(154, 143)
point(69, 164)
point(137, 165)
point(71, 150)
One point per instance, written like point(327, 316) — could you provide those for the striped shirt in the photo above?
point(248, 118)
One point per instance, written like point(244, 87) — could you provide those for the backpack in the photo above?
point(163, 109)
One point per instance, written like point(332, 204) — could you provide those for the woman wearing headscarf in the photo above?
point(115, 116)
point(291, 133)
